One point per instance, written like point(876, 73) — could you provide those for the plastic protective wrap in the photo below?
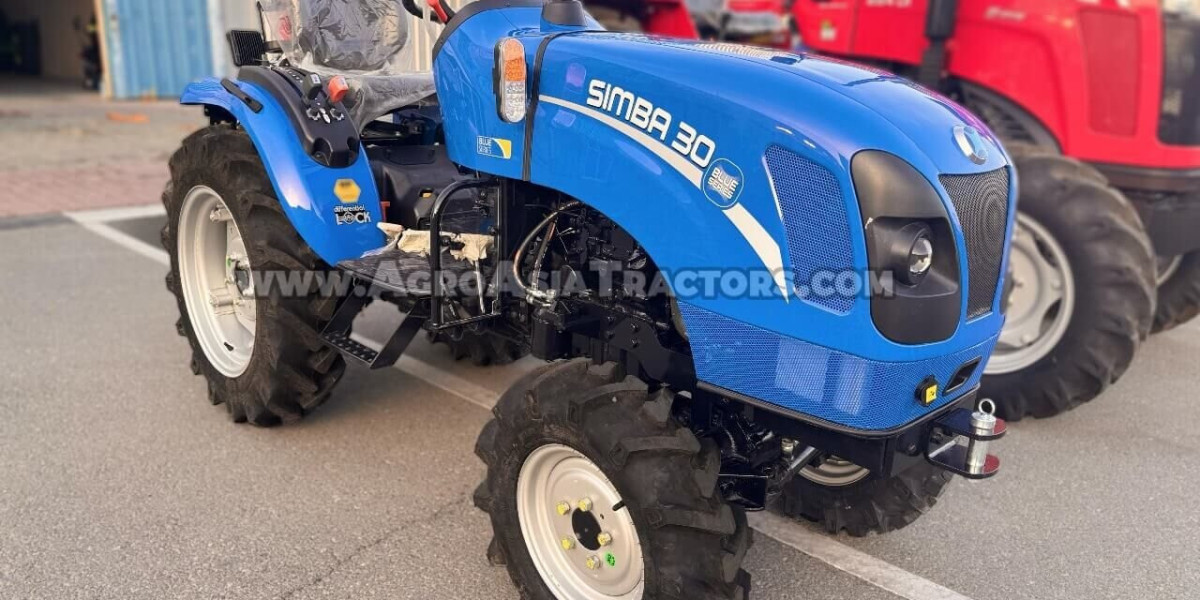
point(737, 20)
point(383, 52)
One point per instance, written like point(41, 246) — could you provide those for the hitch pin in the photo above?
point(983, 422)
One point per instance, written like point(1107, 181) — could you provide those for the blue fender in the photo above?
point(304, 187)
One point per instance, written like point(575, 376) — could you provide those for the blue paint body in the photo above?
point(825, 360)
point(304, 186)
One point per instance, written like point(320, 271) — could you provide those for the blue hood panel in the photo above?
point(677, 141)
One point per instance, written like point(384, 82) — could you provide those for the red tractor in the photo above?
point(670, 18)
point(758, 22)
point(1099, 102)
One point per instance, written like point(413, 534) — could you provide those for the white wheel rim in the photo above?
point(1042, 301)
point(214, 274)
point(1168, 267)
point(835, 472)
point(555, 475)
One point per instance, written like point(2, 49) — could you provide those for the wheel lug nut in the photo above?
point(604, 538)
point(593, 562)
point(567, 543)
point(563, 508)
point(585, 505)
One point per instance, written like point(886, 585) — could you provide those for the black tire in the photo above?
point(692, 540)
point(1179, 296)
point(870, 505)
point(1114, 267)
point(483, 348)
point(291, 371)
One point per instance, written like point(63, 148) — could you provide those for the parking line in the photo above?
point(124, 213)
point(855, 563)
point(97, 221)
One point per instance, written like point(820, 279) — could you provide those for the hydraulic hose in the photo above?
point(532, 293)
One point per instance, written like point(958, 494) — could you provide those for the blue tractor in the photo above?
point(756, 278)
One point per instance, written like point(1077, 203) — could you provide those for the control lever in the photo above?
point(313, 87)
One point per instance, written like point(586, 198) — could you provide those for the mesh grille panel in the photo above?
point(981, 202)
point(831, 385)
point(814, 215)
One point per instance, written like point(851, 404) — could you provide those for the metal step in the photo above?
point(338, 332)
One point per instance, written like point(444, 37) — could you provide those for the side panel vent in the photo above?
point(814, 216)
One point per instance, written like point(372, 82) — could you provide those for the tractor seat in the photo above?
point(366, 42)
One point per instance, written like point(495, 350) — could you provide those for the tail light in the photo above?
point(511, 74)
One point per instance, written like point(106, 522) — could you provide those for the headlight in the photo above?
point(920, 257)
point(910, 236)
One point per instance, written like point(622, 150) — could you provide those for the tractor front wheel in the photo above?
point(1178, 291)
point(843, 496)
point(482, 347)
point(595, 491)
point(1081, 295)
point(259, 349)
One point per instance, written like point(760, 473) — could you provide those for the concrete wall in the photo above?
point(224, 15)
point(60, 43)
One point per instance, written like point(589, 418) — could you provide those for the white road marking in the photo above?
point(123, 239)
point(448, 382)
point(126, 213)
point(879, 573)
point(855, 563)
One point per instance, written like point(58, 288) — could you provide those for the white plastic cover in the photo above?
point(719, 16)
point(383, 52)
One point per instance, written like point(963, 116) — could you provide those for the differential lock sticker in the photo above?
point(353, 214)
point(347, 191)
point(494, 147)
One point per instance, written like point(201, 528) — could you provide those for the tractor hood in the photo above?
point(842, 107)
point(729, 163)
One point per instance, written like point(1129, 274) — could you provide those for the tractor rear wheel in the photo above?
point(1082, 290)
point(1178, 291)
point(259, 349)
point(842, 496)
point(595, 491)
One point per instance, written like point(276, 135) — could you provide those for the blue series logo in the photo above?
point(723, 183)
point(494, 147)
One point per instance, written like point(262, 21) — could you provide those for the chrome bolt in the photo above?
point(563, 508)
point(604, 538)
point(567, 543)
point(585, 505)
point(788, 446)
point(593, 562)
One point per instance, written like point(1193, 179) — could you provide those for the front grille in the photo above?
point(1179, 122)
point(981, 202)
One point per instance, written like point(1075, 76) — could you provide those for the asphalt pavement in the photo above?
point(118, 479)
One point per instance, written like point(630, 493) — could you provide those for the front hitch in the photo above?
point(959, 441)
